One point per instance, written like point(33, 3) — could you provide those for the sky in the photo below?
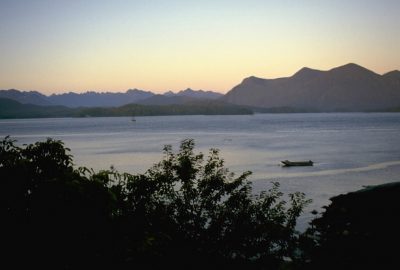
point(56, 46)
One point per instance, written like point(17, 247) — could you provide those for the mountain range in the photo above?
point(108, 99)
point(345, 88)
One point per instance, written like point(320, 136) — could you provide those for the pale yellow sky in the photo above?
point(61, 46)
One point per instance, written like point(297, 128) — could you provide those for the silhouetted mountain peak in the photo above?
point(392, 74)
point(250, 78)
point(352, 68)
point(25, 97)
point(169, 93)
point(13, 90)
point(138, 92)
point(345, 88)
point(253, 80)
point(307, 73)
point(134, 90)
point(16, 91)
point(188, 90)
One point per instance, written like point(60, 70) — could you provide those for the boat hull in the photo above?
point(288, 163)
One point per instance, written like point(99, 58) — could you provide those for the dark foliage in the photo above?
point(53, 215)
point(185, 212)
point(199, 108)
point(359, 230)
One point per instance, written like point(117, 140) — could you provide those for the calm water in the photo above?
point(349, 150)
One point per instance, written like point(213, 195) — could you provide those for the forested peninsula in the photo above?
point(14, 109)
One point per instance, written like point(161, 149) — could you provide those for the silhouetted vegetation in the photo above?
point(359, 230)
point(187, 211)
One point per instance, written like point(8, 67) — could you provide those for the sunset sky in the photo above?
point(56, 46)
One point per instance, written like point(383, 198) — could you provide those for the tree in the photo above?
point(186, 211)
point(52, 214)
point(191, 207)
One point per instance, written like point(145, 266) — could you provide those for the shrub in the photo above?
point(185, 211)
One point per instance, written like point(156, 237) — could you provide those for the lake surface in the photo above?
point(350, 150)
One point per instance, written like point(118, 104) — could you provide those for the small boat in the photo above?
point(133, 119)
point(288, 163)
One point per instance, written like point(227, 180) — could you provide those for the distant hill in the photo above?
point(32, 97)
point(167, 100)
point(195, 108)
point(345, 88)
point(107, 99)
point(96, 99)
point(13, 109)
